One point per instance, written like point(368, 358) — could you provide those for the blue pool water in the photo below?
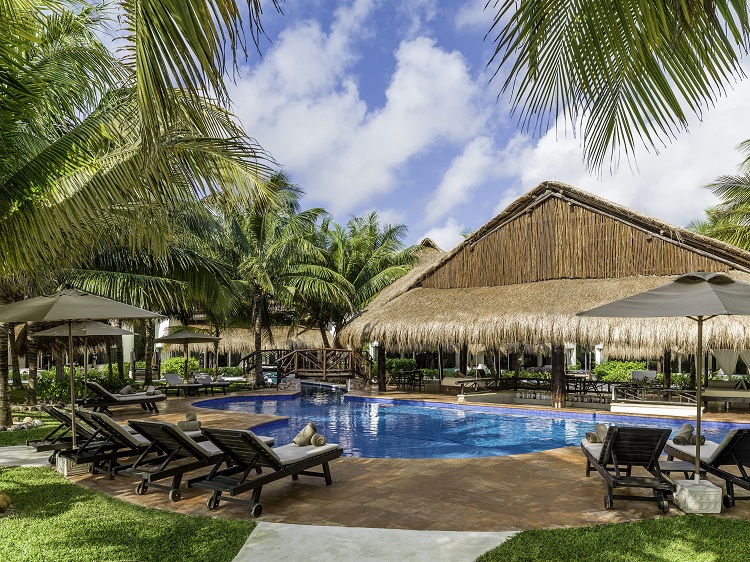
point(382, 428)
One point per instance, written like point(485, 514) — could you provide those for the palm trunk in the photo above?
point(110, 369)
point(120, 354)
point(324, 334)
point(216, 353)
point(31, 359)
point(59, 366)
point(259, 379)
point(17, 384)
point(149, 344)
point(5, 417)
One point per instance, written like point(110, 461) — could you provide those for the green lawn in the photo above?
point(687, 538)
point(8, 438)
point(58, 520)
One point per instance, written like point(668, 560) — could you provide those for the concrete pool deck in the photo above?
point(513, 493)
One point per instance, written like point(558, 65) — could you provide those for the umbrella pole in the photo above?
point(699, 383)
point(187, 360)
point(85, 357)
point(72, 381)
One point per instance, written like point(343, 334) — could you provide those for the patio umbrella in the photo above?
point(70, 305)
point(699, 296)
point(84, 330)
point(186, 337)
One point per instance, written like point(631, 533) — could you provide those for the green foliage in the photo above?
point(679, 380)
point(617, 371)
point(392, 365)
point(177, 365)
point(63, 521)
point(50, 390)
point(231, 371)
point(686, 538)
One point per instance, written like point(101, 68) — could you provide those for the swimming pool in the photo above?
point(386, 428)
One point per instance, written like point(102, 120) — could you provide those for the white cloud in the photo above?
point(303, 105)
point(473, 15)
point(417, 13)
point(474, 166)
point(447, 236)
point(665, 185)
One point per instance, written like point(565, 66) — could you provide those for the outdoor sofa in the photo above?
point(175, 382)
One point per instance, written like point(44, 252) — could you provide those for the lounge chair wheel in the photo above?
point(255, 510)
point(175, 495)
point(92, 468)
point(663, 506)
point(728, 501)
point(607, 502)
point(52, 459)
point(141, 489)
point(212, 502)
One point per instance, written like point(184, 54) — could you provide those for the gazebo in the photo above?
point(524, 275)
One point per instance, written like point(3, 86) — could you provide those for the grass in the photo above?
point(8, 438)
point(58, 520)
point(687, 538)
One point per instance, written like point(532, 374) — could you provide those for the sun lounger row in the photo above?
point(156, 450)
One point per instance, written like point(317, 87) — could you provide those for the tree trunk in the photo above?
point(516, 365)
point(149, 350)
point(558, 376)
point(691, 362)
point(667, 368)
point(59, 367)
point(217, 333)
point(463, 360)
point(381, 368)
point(120, 353)
point(5, 417)
point(110, 369)
point(324, 334)
point(17, 384)
point(259, 379)
point(31, 360)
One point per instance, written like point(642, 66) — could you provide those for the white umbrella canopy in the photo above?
point(69, 305)
point(186, 337)
point(699, 296)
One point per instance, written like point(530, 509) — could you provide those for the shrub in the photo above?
point(393, 365)
point(617, 371)
point(177, 365)
point(231, 371)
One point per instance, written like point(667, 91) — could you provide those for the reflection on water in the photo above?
point(373, 430)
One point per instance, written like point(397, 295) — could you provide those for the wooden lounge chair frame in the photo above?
point(105, 447)
point(734, 451)
point(61, 436)
point(623, 449)
point(246, 453)
point(179, 454)
point(207, 383)
point(101, 399)
point(187, 388)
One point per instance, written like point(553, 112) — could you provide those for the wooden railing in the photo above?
point(324, 363)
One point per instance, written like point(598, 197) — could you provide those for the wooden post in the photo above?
point(463, 360)
point(440, 363)
point(381, 367)
point(558, 376)
point(325, 361)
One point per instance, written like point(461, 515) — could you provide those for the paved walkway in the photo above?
point(21, 455)
point(279, 541)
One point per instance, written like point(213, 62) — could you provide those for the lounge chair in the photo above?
point(624, 448)
point(61, 437)
point(109, 442)
point(246, 452)
point(100, 399)
point(179, 454)
point(207, 383)
point(734, 451)
point(175, 382)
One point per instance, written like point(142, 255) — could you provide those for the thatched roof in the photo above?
point(239, 340)
point(596, 253)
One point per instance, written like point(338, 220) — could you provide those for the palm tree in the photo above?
point(93, 144)
point(622, 72)
point(276, 259)
point(368, 256)
point(730, 220)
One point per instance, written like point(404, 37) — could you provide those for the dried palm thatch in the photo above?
point(240, 340)
point(553, 252)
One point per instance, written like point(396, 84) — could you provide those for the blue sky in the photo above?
point(386, 105)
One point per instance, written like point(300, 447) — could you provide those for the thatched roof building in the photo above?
point(553, 252)
point(241, 340)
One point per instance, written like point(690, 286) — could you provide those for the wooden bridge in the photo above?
point(323, 364)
